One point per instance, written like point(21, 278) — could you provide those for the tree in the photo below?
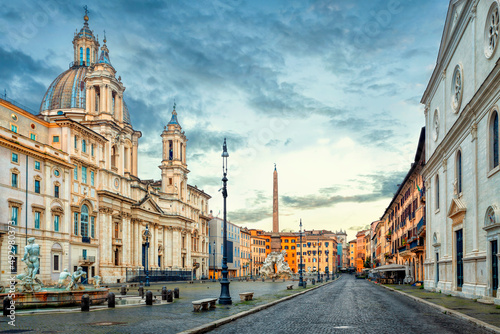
point(368, 262)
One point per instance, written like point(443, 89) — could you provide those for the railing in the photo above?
point(421, 225)
point(17, 104)
point(158, 275)
point(402, 248)
point(86, 240)
point(90, 259)
point(416, 243)
point(4, 228)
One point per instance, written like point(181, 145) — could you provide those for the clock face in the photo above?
point(117, 183)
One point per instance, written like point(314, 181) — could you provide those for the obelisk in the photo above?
point(275, 236)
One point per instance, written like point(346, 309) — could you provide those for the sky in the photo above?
point(327, 90)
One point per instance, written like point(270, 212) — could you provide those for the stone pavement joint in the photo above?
point(445, 310)
point(217, 323)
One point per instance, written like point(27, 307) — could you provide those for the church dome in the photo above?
point(66, 91)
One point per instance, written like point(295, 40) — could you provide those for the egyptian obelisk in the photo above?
point(275, 237)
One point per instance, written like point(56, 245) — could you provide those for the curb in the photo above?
point(445, 310)
point(217, 323)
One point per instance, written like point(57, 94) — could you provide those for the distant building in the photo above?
point(216, 230)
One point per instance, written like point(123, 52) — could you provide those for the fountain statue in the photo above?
point(31, 293)
point(278, 259)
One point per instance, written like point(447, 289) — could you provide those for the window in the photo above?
point(14, 180)
point(75, 173)
point(459, 172)
point(84, 253)
point(91, 178)
point(75, 222)
point(55, 139)
point(88, 56)
point(56, 191)
point(37, 165)
point(81, 56)
point(56, 223)
point(92, 149)
point(437, 192)
point(37, 186)
point(37, 219)
point(32, 136)
point(170, 150)
point(13, 128)
point(84, 221)
point(92, 227)
point(494, 140)
point(84, 174)
point(56, 262)
point(76, 142)
point(14, 215)
point(84, 146)
point(15, 158)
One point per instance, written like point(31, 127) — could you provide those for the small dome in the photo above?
point(66, 91)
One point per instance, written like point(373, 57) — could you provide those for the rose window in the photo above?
point(457, 88)
point(491, 31)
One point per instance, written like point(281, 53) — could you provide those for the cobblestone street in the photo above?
point(350, 306)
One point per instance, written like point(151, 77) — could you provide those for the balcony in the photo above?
point(421, 227)
point(87, 259)
point(402, 248)
point(4, 228)
point(417, 245)
point(86, 240)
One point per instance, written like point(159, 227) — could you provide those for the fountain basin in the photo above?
point(57, 298)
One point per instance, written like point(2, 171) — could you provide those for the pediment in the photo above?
point(148, 204)
point(455, 11)
point(457, 207)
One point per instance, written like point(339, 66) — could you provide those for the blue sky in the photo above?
point(327, 90)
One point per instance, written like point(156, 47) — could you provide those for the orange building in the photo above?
point(361, 254)
point(258, 250)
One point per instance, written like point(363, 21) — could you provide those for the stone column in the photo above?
point(169, 247)
point(475, 180)
point(155, 250)
point(102, 98)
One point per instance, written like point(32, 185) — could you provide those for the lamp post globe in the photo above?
point(225, 298)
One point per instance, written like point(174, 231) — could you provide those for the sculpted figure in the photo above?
point(97, 281)
point(77, 275)
point(31, 254)
point(63, 277)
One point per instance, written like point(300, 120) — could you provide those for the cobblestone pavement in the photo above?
point(350, 306)
point(168, 318)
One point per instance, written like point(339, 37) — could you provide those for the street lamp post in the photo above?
point(301, 280)
point(215, 261)
point(318, 261)
point(224, 298)
point(251, 269)
point(146, 233)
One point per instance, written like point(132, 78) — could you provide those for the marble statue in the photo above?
point(28, 282)
point(278, 259)
point(63, 278)
point(97, 281)
point(77, 275)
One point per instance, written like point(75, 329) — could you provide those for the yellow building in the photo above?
point(246, 251)
point(353, 244)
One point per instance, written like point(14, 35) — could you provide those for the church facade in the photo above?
point(461, 174)
point(73, 184)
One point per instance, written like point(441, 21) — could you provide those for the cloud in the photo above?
point(249, 216)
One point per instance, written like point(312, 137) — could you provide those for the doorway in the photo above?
point(460, 255)
point(494, 267)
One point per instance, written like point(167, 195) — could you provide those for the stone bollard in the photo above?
point(6, 305)
point(111, 300)
point(123, 290)
point(176, 293)
point(313, 281)
point(85, 303)
point(273, 280)
point(254, 279)
point(170, 296)
point(305, 284)
point(164, 293)
point(283, 280)
point(263, 279)
point(141, 291)
point(149, 298)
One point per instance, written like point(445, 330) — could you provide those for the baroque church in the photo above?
point(71, 181)
point(462, 178)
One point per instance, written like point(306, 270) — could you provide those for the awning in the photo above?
point(390, 267)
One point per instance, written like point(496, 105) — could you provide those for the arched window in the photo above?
point(84, 221)
point(81, 56)
point(88, 56)
point(437, 192)
point(494, 140)
point(459, 172)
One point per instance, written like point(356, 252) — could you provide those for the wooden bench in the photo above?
point(245, 296)
point(289, 287)
point(204, 304)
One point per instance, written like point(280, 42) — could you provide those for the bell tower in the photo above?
point(173, 165)
point(85, 45)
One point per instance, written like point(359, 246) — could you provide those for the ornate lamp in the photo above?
point(224, 298)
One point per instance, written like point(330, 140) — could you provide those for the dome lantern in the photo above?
point(85, 44)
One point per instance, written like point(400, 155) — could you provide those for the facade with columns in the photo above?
point(86, 204)
point(462, 176)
